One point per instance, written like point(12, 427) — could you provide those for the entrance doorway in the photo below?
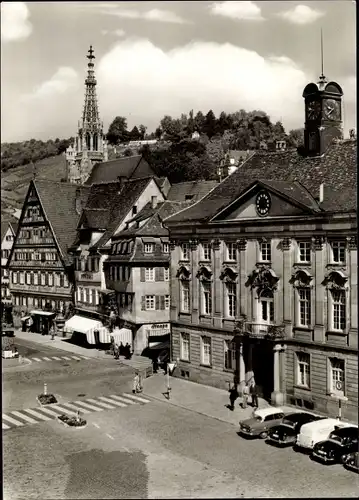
point(262, 362)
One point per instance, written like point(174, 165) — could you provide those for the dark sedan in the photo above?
point(340, 442)
point(285, 434)
point(351, 461)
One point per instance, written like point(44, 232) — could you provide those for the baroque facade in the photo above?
point(264, 271)
point(90, 145)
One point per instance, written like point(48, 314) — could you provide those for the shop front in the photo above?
point(42, 321)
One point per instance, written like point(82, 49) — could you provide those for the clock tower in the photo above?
point(323, 115)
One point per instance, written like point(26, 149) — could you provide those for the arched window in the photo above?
point(88, 141)
point(95, 142)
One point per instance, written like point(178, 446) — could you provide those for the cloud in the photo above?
point(15, 24)
point(63, 80)
point(160, 15)
point(157, 82)
point(301, 14)
point(118, 32)
point(248, 11)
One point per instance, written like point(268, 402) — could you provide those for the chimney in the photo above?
point(153, 201)
point(78, 201)
point(321, 193)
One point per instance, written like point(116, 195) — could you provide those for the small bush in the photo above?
point(72, 421)
point(47, 399)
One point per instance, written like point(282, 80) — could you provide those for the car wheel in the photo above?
point(263, 435)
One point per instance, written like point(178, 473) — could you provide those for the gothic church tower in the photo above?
point(90, 146)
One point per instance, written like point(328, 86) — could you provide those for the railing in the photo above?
point(260, 330)
point(37, 264)
point(34, 241)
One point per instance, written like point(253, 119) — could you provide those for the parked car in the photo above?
point(260, 422)
point(351, 461)
point(285, 434)
point(340, 442)
point(316, 431)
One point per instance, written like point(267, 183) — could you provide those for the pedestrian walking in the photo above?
point(116, 351)
point(254, 394)
point(245, 395)
point(155, 364)
point(135, 384)
point(122, 347)
point(233, 395)
point(127, 351)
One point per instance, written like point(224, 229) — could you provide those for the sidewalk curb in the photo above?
point(27, 362)
point(188, 409)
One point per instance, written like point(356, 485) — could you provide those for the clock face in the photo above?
point(263, 203)
point(313, 110)
point(331, 109)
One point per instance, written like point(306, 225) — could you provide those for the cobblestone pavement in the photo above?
point(158, 451)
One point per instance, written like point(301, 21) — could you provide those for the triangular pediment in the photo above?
point(269, 199)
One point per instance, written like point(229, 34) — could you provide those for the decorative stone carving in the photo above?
point(204, 273)
point(286, 242)
point(335, 280)
point(276, 332)
point(183, 273)
point(317, 242)
point(352, 242)
point(240, 325)
point(242, 244)
point(301, 278)
point(193, 244)
point(263, 279)
point(228, 274)
point(216, 244)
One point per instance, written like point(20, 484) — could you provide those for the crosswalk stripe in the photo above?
point(50, 412)
point(55, 357)
point(36, 414)
point(84, 357)
point(75, 408)
point(85, 405)
point(65, 357)
point(24, 417)
point(12, 420)
point(62, 409)
point(120, 398)
point(46, 359)
point(105, 405)
point(137, 398)
point(37, 359)
point(76, 357)
point(117, 403)
point(4, 426)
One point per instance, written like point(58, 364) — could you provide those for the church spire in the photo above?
point(322, 79)
point(90, 116)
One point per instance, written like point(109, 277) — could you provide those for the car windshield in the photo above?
point(336, 438)
point(289, 422)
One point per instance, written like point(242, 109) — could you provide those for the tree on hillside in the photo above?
point(199, 122)
point(296, 137)
point(210, 124)
point(117, 131)
point(158, 132)
point(134, 135)
point(142, 129)
point(172, 128)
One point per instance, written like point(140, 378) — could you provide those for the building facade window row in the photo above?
point(39, 278)
point(87, 295)
point(335, 373)
point(90, 264)
point(119, 273)
point(23, 256)
point(37, 302)
point(155, 302)
point(265, 250)
point(304, 303)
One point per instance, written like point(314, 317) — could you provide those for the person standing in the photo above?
point(254, 394)
point(245, 396)
point(233, 395)
point(155, 364)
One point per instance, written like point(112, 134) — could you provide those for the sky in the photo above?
point(158, 58)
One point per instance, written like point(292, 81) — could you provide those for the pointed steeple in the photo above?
point(322, 79)
point(90, 145)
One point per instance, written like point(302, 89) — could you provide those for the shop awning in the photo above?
point(83, 325)
point(161, 346)
point(24, 318)
point(123, 335)
point(106, 291)
point(39, 312)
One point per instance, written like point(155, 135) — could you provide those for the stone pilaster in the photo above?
point(277, 396)
point(195, 281)
point(353, 287)
point(320, 291)
point(242, 277)
point(242, 368)
point(286, 287)
point(217, 286)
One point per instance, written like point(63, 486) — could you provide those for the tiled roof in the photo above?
point(4, 228)
point(58, 202)
point(14, 226)
point(196, 189)
point(153, 225)
point(95, 218)
point(337, 170)
point(117, 199)
point(129, 166)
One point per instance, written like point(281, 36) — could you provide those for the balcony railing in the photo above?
point(260, 330)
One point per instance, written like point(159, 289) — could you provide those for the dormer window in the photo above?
point(149, 247)
point(134, 210)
